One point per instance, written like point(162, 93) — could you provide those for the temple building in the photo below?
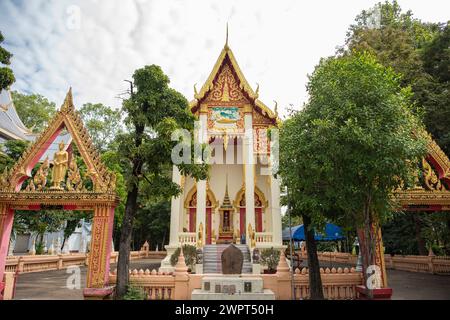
point(240, 201)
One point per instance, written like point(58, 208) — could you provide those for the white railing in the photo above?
point(187, 238)
point(263, 237)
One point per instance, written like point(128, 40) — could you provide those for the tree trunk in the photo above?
point(420, 241)
point(125, 243)
point(128, 219)
point(315, 281)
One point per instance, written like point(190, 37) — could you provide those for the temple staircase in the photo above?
point(212, 254)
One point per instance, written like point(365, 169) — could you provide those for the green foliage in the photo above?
point(102, 122)
point(354, 140)
point(417, 50)
point(152, 223)
point(134, 293)
point(270, 258)
point(434, 91)
point(189, 253)
point(295, 220)
point(6, 75)
point(34, 110)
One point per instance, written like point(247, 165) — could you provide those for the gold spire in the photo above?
point(226, 37)
point(226, 199)
point(68, 101)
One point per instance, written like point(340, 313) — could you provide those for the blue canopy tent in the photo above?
point(332, 233)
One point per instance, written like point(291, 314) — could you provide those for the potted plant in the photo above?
point(270, 258)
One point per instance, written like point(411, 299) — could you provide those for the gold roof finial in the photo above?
point(226, 38)
point(195, 91)
point(68, 101)
point(275, 109)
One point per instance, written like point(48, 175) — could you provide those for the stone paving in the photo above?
point(51, 285)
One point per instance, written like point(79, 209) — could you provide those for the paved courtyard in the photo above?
point(51, 285)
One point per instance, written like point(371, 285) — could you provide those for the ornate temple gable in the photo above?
point(227, 86)
point(432, 191)
point(67, 117)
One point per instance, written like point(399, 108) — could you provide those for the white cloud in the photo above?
point(277, 43)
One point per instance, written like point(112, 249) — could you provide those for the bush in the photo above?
point(190, 256)
point(134, 293)
point(270, 258)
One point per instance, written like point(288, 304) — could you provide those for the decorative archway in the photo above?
point(190, 204)
point(260, 205)
point(431, 193)
point(19, 190)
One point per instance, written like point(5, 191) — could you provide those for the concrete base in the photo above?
point(199, 268)
point(374, 294)
point(256, 268)
point(198, 294)
point(105, 293)
point(232, 287)
point(2, 287)
point(165, 263)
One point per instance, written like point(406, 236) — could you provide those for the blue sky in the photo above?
point(93, 45)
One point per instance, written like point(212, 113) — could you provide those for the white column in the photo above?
point(201, 184)
point(175, 210)
point(249, 175)
point(275, 210)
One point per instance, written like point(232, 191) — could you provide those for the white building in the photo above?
point(240, 201)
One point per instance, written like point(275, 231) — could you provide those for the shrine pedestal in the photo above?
point(232, 287)
point(377, 294)
point(105, 293)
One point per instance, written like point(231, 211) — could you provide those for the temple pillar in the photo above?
point(275, 210)
point(249, 176)
point(99, 255)
point(376, 286)
point(175, 212)
point(6, 222)
point(201, 184)
point(201, 213)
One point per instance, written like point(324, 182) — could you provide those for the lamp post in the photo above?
point(359, 259)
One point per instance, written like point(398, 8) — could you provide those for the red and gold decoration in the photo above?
point(59, 184)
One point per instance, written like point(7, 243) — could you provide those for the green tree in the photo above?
point(417, 50)
point(153, 111)
point(102, 122)
point(371, 140)
point(434, 95)
point(6, 74)
point(34, 110)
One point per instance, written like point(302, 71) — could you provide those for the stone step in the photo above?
point(212, 258)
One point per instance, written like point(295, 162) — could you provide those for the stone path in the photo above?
point(409, 285)
point(51, 285)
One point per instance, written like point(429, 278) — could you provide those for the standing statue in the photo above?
point(60, 162)
point(200, 236)
point(251, 234)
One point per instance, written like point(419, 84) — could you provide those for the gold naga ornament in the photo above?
point(74, 181)
point(431, 179)
point(39, 181)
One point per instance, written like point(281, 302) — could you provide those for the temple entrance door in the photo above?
point(258, 219)
point(192, 215)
